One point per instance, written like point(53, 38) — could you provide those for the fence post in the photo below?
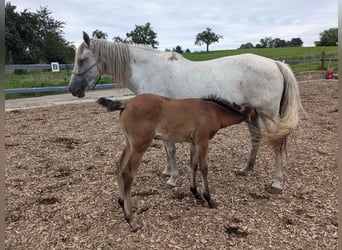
point(322, 59)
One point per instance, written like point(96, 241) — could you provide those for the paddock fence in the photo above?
point(47, 67)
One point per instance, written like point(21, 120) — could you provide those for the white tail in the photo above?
point(290, 107)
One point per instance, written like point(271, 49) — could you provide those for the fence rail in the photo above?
point(46, 89)
point(36, 66)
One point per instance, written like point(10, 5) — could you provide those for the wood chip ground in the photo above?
point(61, 190)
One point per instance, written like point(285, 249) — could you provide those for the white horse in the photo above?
point(268, 85)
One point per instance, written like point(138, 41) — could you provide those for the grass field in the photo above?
point(279, 54)
point(45, 78)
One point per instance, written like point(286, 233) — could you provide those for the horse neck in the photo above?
point(142, 54)
point(144, 64)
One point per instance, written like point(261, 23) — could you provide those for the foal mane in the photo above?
point(114, 58)
point(222, 102)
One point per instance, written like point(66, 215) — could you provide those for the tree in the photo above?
point(178, 49)
point(118, 39)
point(278, 43)
point(207, 37)
point(266, 42)
point(247, 46)
point(99, 34)
point(13, 35)
point(328, 38)
point(49, 37)
point(296, 42)
point(143, 34)
point(35, 37)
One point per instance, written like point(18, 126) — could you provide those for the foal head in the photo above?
point(247, 110)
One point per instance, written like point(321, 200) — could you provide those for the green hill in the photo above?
point(279, 54)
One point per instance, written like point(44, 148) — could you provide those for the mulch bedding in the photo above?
point(61, 189)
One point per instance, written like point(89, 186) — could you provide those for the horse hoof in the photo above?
point(164, 176)
point(134, 227)
point(240, 173)
point(168, 186)
point(273, 190)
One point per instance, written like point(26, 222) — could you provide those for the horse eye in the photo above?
point(82, 60)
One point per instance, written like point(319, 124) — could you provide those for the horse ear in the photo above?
point(86, 38)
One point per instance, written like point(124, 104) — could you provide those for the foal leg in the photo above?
point(194, 166)
point(254, 131)
point(203, 157)
point(128, 176)
point(120, 166)
point(171, 167)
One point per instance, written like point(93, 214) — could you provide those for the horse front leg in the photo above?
point(254, 131)
point(171, 169)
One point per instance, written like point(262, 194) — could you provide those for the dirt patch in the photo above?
point(61, 190)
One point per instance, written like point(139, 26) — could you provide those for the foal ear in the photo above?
point(238, 107)
point(86, 38)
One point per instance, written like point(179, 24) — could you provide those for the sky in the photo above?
point(177, 22)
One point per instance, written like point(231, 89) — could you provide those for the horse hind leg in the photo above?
point(254, 131)
point(275, 187)
point(171, 169)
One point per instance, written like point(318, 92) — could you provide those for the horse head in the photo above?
point(247, 110)
point(86, 70)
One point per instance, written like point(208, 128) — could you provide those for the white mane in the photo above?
point(114, 58)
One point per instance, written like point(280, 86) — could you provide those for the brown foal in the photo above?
point(148, 116)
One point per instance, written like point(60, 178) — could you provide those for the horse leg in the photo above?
point(254, 131)
point(202, 156)
point(120, 166)
point(194, 166)
point(128, 175)
point(171, 167)
point(275, 188)
point(167, 170)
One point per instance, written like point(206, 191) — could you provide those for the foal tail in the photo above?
point(290, 106)
point(110, 104)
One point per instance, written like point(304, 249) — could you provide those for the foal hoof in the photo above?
point(212, 204)
point(168, 186)
point(273, 190)
point(121, 202)
point(164, 176)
